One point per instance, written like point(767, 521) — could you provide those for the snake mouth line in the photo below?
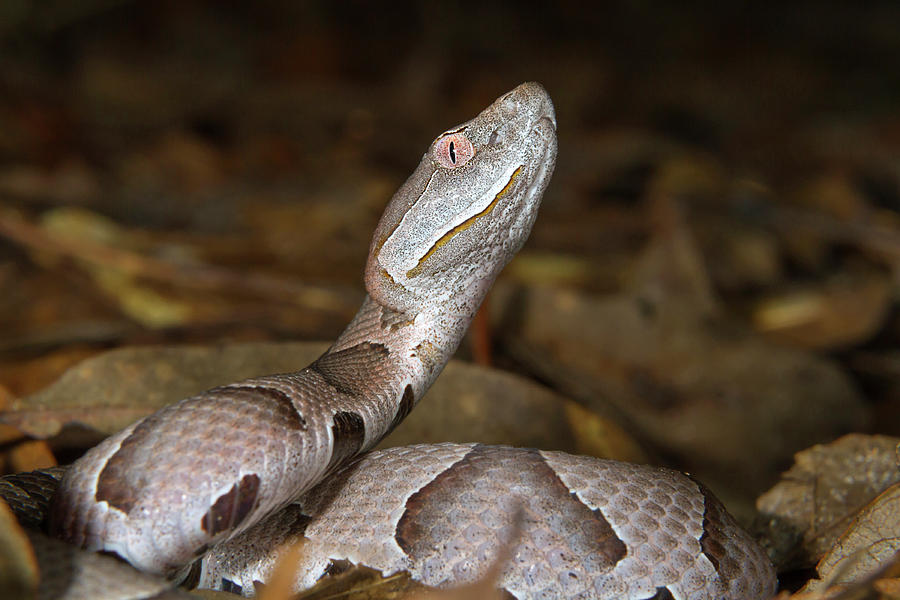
point(465, 224)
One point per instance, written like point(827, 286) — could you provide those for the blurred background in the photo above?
point(715, 263)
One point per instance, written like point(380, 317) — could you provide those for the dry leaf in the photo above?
point(213, 595)
point(845, 311)
point(362, 583)
point(467, 403)
point(819, 495)
point(890, 588)
point(28, 456)
point(18, 564)
point(870, 543)
point(109, 391)
point(281, 583)
point(687, 379)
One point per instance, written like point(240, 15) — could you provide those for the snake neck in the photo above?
point(416, 346)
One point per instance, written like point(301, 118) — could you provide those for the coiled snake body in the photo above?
point(212, 468)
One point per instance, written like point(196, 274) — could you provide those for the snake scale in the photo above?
point(230, 475)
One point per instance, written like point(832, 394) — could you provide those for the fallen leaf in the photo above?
point(28, 456)
point(845, 311)
point(870, 543)
point(819, 495)
point(281, 583)
point(109, 391)
point(467, 403)
point(18, 564)
point(361, 583)
point(684, 382)
point(661, 356)
point(470, 403)
point(889, 588)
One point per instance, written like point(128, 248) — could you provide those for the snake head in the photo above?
point(467, 208)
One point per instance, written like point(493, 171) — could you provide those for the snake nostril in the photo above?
point(550, 117)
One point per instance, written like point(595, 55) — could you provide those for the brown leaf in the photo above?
point(361, 583)
point(845, 311)
point(889, 588)
point(155, 291)
point(667, 359)
point(281, 584)
point(740, 256)
point(28, 456)
point(18, 564)
point(819, 495)
point(29, 375)
point(467, 403)
point(685, 377)
point(871, 543)
point(109, 391)
point(214, 595)
point(72, 182)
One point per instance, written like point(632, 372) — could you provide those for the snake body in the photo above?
point(590, 528)
point(213, 467)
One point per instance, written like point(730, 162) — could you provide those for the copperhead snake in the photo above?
point(229, 475)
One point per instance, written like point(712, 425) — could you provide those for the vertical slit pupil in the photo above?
point(452, 153)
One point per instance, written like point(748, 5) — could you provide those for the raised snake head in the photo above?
point(467, 208)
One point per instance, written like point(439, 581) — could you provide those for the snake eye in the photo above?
point(453, 150)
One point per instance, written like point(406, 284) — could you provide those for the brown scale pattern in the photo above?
point(591, 528)
point(214, 452)
point(664, 515)
point(349, 371)
point(742, 568)
point(163, 490)
point(348, 432)
point(472, 507)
